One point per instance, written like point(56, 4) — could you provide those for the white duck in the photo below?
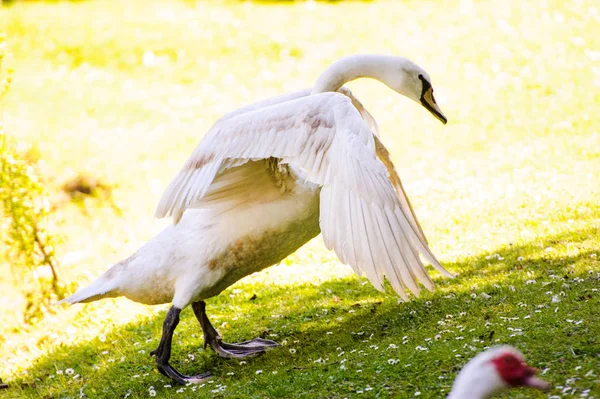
point(266, 179)
point(497, 369)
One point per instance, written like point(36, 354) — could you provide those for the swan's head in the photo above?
point(414, 83)
point(398, 73)
point(494, 370)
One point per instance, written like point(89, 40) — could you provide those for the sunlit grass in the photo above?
point(507, 192)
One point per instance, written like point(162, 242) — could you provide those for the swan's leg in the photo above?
point(163, 352)
point(212, 338)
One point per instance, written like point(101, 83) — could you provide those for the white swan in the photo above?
point(266, 179)
point(497, 369)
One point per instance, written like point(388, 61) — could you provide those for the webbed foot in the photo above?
point(163, 352)
point(240, 349)
point(224, 349)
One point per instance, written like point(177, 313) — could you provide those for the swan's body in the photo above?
point(497, 369)
point(200, 256)
point(269, 177)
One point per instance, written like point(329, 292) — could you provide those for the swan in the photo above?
point(266, 179)
point(494, 370)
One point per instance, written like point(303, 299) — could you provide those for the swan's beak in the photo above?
point(428, 101)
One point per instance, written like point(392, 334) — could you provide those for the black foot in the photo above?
point(240, 349)
point(212, 338)
point(163, 352)
point(168, 371)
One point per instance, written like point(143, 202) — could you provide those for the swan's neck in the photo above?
point(378, 67)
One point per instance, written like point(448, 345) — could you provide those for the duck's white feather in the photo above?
point(362, 217)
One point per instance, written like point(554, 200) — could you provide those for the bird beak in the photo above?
point(537, 383)
point(533, 382)
point(428, 101)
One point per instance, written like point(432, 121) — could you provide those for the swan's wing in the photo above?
point(366, 115)
point(248, 184)
point(384, 156)
point(367, 223)
point(285, 131)
point(266, 103)
point(361, 217)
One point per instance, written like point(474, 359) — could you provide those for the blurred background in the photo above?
point(108, 98)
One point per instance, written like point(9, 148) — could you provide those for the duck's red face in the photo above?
point(515, 372)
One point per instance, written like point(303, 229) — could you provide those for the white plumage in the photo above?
point(494, 370)
point(328, 143)
point(267, 178)
point(324, 137)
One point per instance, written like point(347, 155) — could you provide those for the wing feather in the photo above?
point(365, 216)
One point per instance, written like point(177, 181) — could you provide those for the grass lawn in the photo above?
point(507, 192)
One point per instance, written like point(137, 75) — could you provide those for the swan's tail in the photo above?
point(98, 289)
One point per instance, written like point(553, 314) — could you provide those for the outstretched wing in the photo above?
point(384, 156)
point(362, 218)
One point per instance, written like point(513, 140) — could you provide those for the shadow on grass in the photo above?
point(524, 295)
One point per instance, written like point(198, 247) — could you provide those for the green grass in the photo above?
point(507, 192)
